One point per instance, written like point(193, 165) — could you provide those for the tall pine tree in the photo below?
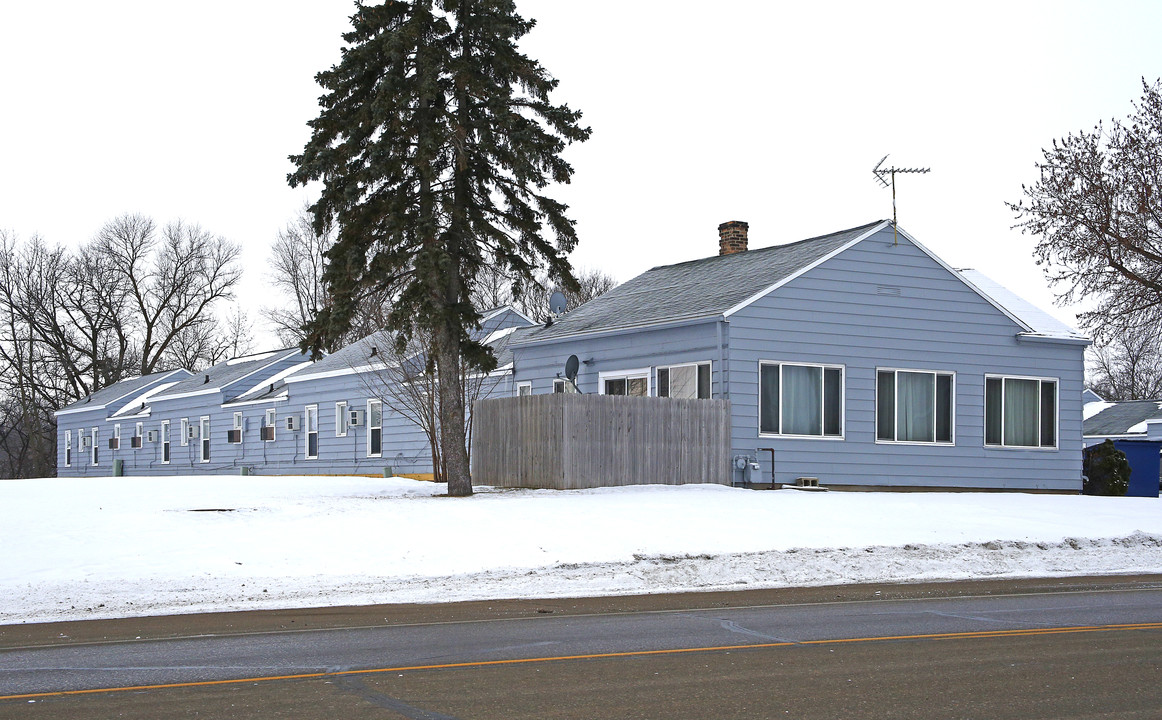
point(435, 144)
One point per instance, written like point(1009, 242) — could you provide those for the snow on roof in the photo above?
point(274, 379)
point(251, 358)
point(141, 399)
point(1041, 322)
point(498, 334)
point(1093, 408)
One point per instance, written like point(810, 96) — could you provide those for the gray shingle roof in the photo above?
point(224, 373)
point(121, 390)
point(1120, 417)
point(698, 288)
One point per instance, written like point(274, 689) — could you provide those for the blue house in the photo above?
point(858, 358)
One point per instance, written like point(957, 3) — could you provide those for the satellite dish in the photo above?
point(571, 367)
point(557, 302)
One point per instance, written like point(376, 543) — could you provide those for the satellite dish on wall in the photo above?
point(571, 367)
point(557, 302)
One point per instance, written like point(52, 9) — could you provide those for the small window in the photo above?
point(95, 446)
point(204, 431)
point(238, 421)
point(139, 431)
point(68, 448)
point(165, 441)
point(312, 416)
point(268, 426)
point(1020, 412)
point(185, 438)
point(374, 428)
point(635, 383)
point(914, 406)
point(341, 419)
point(802, 400)
point(684, 381)
point(523, 389)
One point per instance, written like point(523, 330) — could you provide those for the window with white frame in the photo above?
point(94, 448)
point(268, 423)
point(800, 399)
point(1020, 411)
point(312, 416)
point(185, 438)
point(165, 442)
point(341, 419)
point(204, 432)
point(914, 406)
point(68, 448)
point(238, 421)
point(524, 388)
point(139, 432)
point(117, 436)
point(688, 381)
point(635, 383)
point(374, 428)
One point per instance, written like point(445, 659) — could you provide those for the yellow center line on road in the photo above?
point(598, 656)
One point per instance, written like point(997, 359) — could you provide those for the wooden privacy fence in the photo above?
point(566, 441)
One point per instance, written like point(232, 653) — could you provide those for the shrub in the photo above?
point(1107, 472)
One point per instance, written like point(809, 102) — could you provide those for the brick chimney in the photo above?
point(732, 237)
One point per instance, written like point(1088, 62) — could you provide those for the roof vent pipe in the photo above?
point(732, 237)
point(207, 380)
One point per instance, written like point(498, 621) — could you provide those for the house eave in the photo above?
point(621, 330)
point(1053, 339)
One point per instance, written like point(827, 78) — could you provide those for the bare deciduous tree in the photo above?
point(1128, 364)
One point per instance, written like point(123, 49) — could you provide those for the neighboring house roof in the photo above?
point(703, 288)
point(119, 391)
point(217, 377)
point(502, 341)
point(1089, 396)
point(1122, 418)
point(1040, 322)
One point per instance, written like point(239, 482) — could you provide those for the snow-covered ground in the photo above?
point(111, 547)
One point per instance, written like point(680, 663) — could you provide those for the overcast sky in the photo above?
point(702, 112)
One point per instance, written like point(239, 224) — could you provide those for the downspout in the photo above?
point(723, 357)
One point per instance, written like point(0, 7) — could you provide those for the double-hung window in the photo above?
point(204, 431)
point(626, 382)
point(185, 438)
point(341, 419)
point(1020, 411)
point(801, 400)
point(374, 428)
point(914, 406)
point(312, 413)
point(94, 449)
point(684, 381)
point(165, 442)
point(268, 426)
point(68, 448)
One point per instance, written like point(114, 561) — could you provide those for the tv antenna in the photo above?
point(890, 172)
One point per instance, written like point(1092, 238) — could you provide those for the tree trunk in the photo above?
point(452, 449)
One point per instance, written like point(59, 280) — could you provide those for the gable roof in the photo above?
point(217, 377)
point(120, 391)
point(1040, 323)
point(705, 288)
point(1123, 418)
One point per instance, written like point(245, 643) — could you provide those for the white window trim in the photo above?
point(117, 433)
point(270, 420)
point(185, 427)
point(628, 375)
point(307, 410)
point(68, 448)
point(203, 426)
point(842, 400)
point(341, 418)
point(165, 440)
point(139, 431)
point(1056, 415)
point(370, 428)
point(93, 450)
point(921, 443)
point(237, 421)
point(692, 364)
point(524, 384)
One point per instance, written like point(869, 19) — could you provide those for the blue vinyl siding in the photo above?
point(837, 314)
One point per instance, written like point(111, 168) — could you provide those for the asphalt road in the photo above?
point(1017, 650)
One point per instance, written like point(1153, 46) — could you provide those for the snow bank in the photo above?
point(109, 547)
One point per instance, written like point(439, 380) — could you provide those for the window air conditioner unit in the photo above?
point(135, 442)
point(292, 422)
point(267, 433)
point(234, 436)
point(354, 418)
point(193, 432)
point(151, 436)
point(114, 443)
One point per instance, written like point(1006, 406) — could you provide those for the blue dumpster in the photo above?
point(1143, 458)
